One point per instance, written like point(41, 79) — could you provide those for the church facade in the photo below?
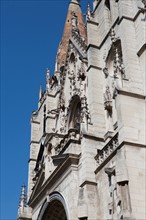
point(88, 148)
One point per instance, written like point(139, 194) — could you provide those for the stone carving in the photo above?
point(79, 40)
point(118, 64)
point(54, 81)
point(109, 148)
point(113, 35)
point(48, 162)
point(62, 121)
point(107, 99)
point(85, 114)
point(73, 135)
point(88, 15)
point(105, 71)
point(74, 20)
point(81, 72)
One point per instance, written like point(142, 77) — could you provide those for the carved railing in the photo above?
point(72, 136)
point(106, 152)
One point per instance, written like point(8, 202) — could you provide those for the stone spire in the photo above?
point(88, 12)
point(74, 20)
point(23, 198)
point(22, 203)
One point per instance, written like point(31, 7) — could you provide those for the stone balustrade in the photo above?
point(106, 152)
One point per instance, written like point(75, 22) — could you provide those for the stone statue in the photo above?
point(107, 94)
point(106, 73)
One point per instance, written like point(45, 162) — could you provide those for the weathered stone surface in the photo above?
point(88, 148)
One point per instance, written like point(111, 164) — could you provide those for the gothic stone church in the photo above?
point(87, 149)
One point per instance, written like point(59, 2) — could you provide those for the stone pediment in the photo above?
point(41, 189)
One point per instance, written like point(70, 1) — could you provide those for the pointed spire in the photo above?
point(72, 22)
point(48, 78)
point(40, 92)
point(23, 198)
point(88, 12)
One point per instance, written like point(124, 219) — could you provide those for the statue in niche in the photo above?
point(107, 99)
point(81, 77)
point(107, 94)
point(62, 119)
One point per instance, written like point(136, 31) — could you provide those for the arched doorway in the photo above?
point(55, 211)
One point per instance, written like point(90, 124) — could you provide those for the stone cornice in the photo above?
point(31, 159)
point(69, 160)
point(129, 18)
point(87, 182)
point(94, 67)
point(34, 142)
point(91, 136)
point(105, 38)
point(92, 22)
point(131, 94)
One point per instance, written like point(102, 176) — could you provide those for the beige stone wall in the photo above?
point(88, 191)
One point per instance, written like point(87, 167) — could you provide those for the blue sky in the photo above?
point(30, 35)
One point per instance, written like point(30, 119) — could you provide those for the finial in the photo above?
point(23, 197)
